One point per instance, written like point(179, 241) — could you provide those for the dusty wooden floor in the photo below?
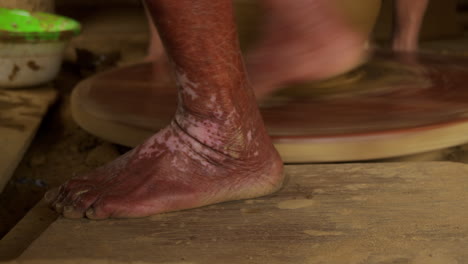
point(21, 114)
point(348, 213)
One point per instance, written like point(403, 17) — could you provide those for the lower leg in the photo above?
point(216, 148)
point(409, 15)
point(303, 40)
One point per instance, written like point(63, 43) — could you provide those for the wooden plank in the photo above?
point(21, 112)
point(13, 244)
point(349, 213)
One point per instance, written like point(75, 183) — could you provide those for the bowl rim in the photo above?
point(73, 29)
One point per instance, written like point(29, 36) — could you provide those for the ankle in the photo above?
point(229, 134)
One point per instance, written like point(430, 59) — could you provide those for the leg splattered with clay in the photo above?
point(216, 148)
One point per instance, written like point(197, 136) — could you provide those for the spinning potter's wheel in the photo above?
point(391, 106)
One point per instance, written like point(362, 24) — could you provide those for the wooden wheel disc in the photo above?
point(391, 106)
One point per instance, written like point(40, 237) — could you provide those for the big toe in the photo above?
point(100, 211)
point(77, 207)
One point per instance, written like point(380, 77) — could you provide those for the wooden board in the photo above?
point(348, 213)
point(390, 107)
point(21, 112)
point(13, 244)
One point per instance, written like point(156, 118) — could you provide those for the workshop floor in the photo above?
point(372, 213)
point(61, 149)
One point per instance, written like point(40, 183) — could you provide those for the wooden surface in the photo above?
point(21, 112)
point(390, 107)
point(349, 213)
point(38, 219)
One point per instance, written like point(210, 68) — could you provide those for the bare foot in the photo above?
point(178, 168)
point(216, 148)
point(303, 40)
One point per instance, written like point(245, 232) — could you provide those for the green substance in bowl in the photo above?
point(16, 24)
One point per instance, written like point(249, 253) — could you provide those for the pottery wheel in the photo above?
point(389, 107)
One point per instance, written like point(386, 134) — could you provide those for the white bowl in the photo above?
point(29, 64)
point(32, 46)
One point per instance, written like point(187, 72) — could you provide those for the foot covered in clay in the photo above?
point(302, 40)
point(188, 164)
point(216, 148)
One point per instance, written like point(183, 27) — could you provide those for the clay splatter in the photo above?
point(33, 65)
point(14, 72)
point(296, 204)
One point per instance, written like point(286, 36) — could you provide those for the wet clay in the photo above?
point(389, 107)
